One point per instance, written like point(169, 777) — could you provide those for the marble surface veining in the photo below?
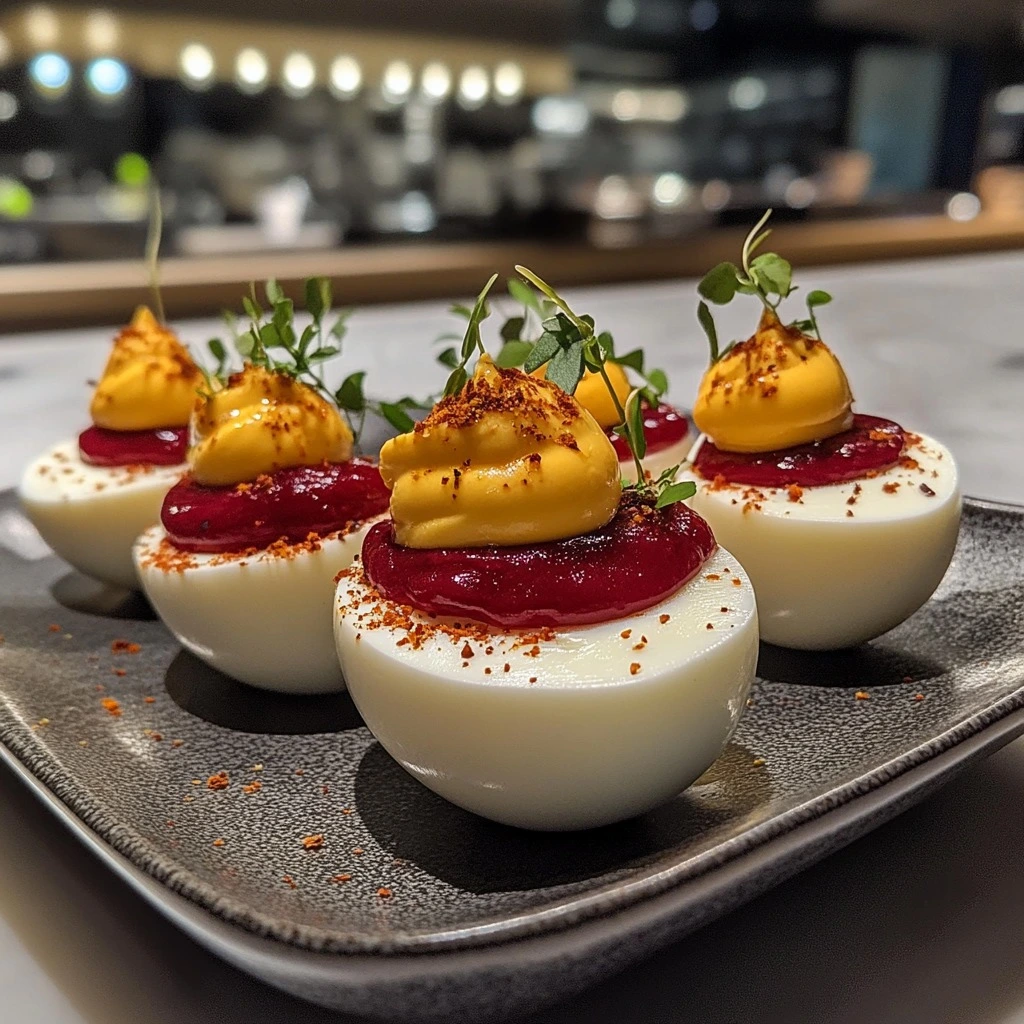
point(937, 345)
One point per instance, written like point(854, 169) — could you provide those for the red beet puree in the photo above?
point(870, 445)
point(663, 427)
point(166, 446)
point(638, 559)
point(289, 504)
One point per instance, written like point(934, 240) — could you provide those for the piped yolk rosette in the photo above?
point(91, 497)
point(519, 590)
point(845, 522)
point(142, 403)
point(273, 506)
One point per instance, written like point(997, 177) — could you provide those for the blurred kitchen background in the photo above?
point(384, 139)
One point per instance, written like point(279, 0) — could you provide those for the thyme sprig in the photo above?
point(570, 345)
point(271, 340)
point(767, 275)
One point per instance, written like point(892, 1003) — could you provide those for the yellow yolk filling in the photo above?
point(510, 460)
point(149, 380)
point(261, 422)
point(779, 389)
point(592, 393)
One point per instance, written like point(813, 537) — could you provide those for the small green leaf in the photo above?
point(658, 381)
point(449, 357)
point(318, 297)
point(524, 295)
point(273, 292)
point(397, 416)
point(456, 382)
point(635, 424)
point(513, 353)
point(246, 344)
point(350, 394)
point(707, 321)
point(546, 346)
point(512, 328)
point(676, 492)
point(321, 354)
point(566, 367)
point(818, 298)
point(634, 360)
point(719, 284)
point(773, 272)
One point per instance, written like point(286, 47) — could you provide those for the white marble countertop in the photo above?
point(917, 923)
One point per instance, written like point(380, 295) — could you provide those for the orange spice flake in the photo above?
point(219, 781)
point(112, 707)
point(314, 842)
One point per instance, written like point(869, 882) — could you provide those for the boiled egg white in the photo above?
point(91, 515)
point(836, 565)
point(570, 729)
point(262, 617)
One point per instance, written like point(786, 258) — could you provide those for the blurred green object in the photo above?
point(16, 201)
point(132, 169)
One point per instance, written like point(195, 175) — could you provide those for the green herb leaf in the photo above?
point(524, 295)
point(658, 382)
point(456, 382)
point(720, 283)
point(773, 272)
point(397, 416)
point(818, 298)
point(512, 328)
point(676, 492)
point(546, 346)
point(318, 297)
point(635, 424)
point(449, 357)
point(707, 321)
point(513, 353)
point(350, 395)
point(634, 360)
point(566, 367)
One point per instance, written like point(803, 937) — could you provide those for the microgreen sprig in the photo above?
point(768, 276)
point(570, 345)
point(272, 341)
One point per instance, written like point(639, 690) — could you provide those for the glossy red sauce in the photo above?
point(288, 504)
point(872, 444)
point(166, 446)
point(663, 427)
point(637, 560)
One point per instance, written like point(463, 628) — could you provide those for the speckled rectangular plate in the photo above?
point(481, 920)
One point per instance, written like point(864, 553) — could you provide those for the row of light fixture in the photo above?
point(299, 76)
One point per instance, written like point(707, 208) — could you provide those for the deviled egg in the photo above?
point(90, 498)
point(526, 638)
point(845, 523)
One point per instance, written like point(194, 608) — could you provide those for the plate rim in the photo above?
point(561, 914)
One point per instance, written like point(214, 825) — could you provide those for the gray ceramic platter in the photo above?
point(481, 920)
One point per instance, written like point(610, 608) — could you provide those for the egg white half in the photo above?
point(262, 618)
point(91, 515)
point(570, 736)
point(843, 563)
